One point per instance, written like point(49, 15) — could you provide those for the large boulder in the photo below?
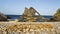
point(3, 17)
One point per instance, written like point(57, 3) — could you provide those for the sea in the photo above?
point(13, 17)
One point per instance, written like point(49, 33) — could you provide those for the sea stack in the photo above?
point(30, 15)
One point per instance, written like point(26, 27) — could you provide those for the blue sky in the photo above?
point(16, 7)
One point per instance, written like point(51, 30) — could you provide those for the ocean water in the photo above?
point(13, 17)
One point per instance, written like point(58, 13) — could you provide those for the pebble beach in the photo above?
point(29, 27)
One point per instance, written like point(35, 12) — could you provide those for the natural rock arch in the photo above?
point(30, 13)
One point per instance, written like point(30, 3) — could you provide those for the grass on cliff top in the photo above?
point(58, 11)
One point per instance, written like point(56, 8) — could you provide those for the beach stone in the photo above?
point(30, 28)
point(16, 20)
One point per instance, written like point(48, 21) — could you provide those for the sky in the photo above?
point(16, 7)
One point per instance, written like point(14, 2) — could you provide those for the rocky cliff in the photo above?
point(56, 16)
point(3, 17)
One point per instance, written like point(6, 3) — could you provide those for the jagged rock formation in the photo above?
point(29, 12)
point(56, 16)
point(3, 17)
point(29, 15)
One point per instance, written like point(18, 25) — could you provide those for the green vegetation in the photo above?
point(58, 11)
point(56, 16)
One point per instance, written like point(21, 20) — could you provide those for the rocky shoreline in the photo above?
point(29, 27)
